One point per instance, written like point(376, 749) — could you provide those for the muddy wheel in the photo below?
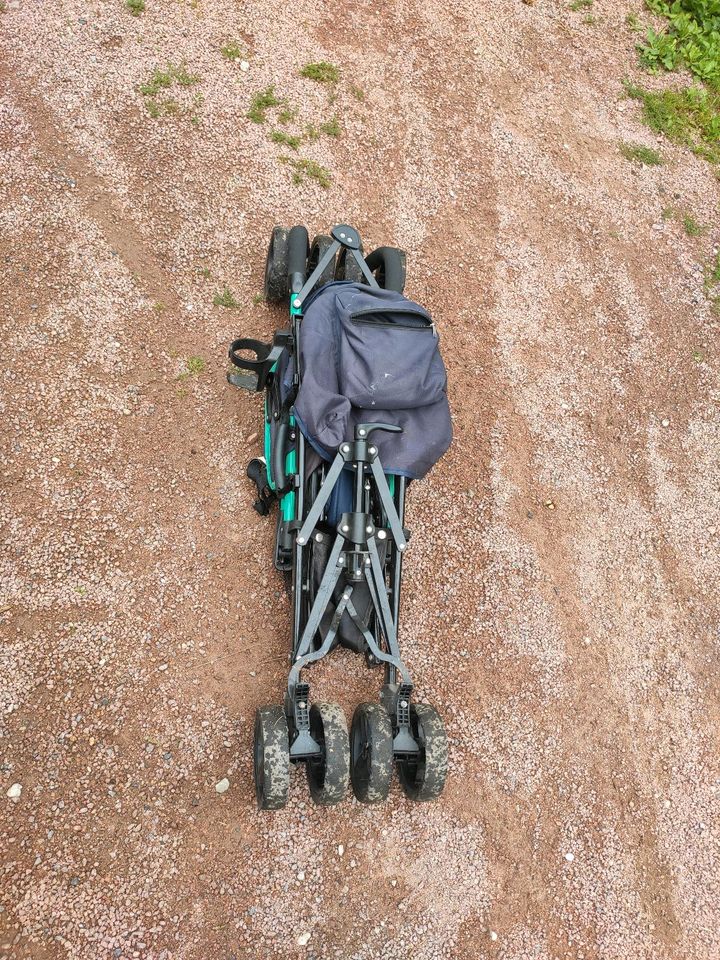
point(272, 758)
point(371, 753)
point(347, 267)
point(318, 248)
point(388, 265)
point(276, 266)
point(423, 777)
point(328, 774)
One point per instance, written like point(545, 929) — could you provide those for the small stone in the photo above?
point(493, 935)
point(244, 66)
point(303, 940)
point(163, 667)
point(341, 850)
point(301, 875)
point(569, 857)
point(15, 791)
point(666, 422)
point(222, 785)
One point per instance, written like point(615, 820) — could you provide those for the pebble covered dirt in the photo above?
point(561, 604)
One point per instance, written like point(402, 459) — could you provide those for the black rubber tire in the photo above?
point(271, 755)
point(371, 753)
point(388, 266)
point(347, 267)
point(318, 247)
point(423, 778)
point(276, 266)
point(328, 776)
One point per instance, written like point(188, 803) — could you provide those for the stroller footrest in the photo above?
point(246, 381)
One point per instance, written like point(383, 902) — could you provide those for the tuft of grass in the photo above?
point(258, 298)
point(309, 170)
point(632, 23)
point(158, 306)
point(286, 139)
point(712, 273)
point(331, 128)
point(159, 80)
point(637, 153)
point(184, 78)
point(226, 299)
point(668, 213)
point(136, 7)
point(692, 227)
point(204, 272)
point(232, 51)
point(580, 5)
point(287, 114)
point(322, 72)
point(194, 366)
point(698, 356)
point(689, 117)
point(261, 102)
point(358, 93)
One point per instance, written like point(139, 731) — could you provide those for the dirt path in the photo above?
point(561, 603)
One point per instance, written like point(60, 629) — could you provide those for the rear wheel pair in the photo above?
point(387, 264)
point(327, 775)
point(366, 757)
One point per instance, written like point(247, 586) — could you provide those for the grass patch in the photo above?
point(321, 72)
point(159, 80)
point(632, 23)
point(261, 102)
point(232, 51)
point(689, 117)
point(331, 128)
point(136, 7)
point(358, 93)
point(304, 169)
point(286, 139)
point(194, 366)
point(637, 153)
point(692, 227)
point(226, 299)
point(580, 5)
point(258, 298)
point(287, 114)
point(712, 273)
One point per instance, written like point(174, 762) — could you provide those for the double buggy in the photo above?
point(355, 409)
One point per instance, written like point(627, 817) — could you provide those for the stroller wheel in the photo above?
point(347, 268)
point(388, 264)
point(328, 775)
point(276, 266)
point(319, 246)
point(272, 758)
point(371, 753)
point(423, 777)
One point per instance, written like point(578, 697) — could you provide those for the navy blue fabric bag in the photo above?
point(371, 355)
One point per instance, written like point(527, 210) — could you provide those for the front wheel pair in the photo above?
point(365, 758)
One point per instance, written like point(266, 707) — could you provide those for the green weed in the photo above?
point(160, 80)
point(226, 299)
point(286, 139)
point(358, 93)
point(637, 153)
point(692, 227)
point(322, 72)
point(310, 170)
point(261, 102)
point(287, 114)
point(691, 39)
point(136, 7)
point(580, 4)
point(331, 128)
point(232, 51)
point(632, 23)
point(194, 366)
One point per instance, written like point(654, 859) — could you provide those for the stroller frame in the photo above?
point(395, 730)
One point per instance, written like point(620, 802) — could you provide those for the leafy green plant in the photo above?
point(632, 23)
point(580, 4)
point(194, 365)
point(331, 128)
point(691, 39)
point(689, 117)
point(159, 80)
point(322, 72)
point(136, 7)
point(226, 299)
point(261, 102)
point(286, 115)
point(163, 79)
point(638, 153)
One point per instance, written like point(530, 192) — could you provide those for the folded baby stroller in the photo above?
point(355, 409)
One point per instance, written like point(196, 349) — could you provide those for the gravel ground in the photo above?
point(561, 604)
